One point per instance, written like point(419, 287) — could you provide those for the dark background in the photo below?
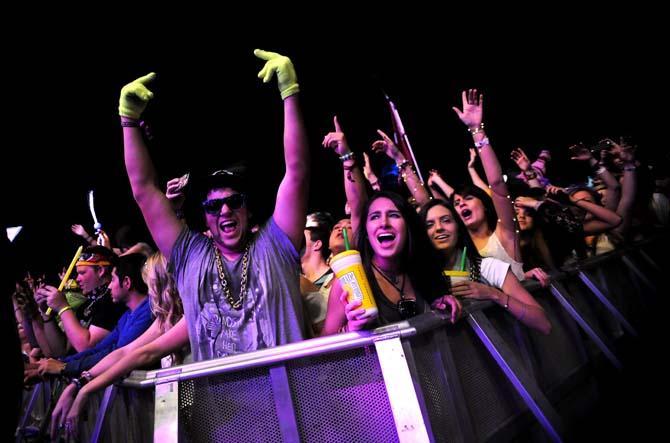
point(550, 80)
point(547, 89)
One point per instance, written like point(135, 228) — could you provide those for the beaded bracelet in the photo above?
point(476, 130)
point(403, 164)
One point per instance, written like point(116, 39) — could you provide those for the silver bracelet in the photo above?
point(348, 156)
point(483, 142)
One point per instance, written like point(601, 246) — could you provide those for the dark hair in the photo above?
point(594, 194)
point(131, 266)
point(489, 208)
point(319, 225)
point(234, 177)
point(419, 259)
point(339, 219)
point(464, 239)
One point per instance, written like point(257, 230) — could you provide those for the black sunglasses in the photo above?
point(406, 308)
point(213, 206)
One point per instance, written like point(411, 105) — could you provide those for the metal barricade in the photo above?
point(485, 378)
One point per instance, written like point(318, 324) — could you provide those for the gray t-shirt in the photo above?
point(271, 313)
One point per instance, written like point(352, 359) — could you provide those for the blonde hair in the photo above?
point(163, 295)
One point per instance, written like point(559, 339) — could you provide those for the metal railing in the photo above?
point(484, 378)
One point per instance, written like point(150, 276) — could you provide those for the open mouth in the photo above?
point(228, 227)
point(385, 238)
point(466, 213)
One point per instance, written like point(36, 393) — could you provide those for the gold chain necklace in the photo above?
point(235, 304)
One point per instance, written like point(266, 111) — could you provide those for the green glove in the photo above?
point(135, 96)
point(286, 78)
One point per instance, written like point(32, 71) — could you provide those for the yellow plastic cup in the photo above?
point(457, 276)
point(349, 270)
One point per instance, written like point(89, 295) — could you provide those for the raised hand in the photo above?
point(336, 140)
point(367, 169)
point(175, 191)
point(287, 80)
point(388, 147)
point(432, 176)
point(554, 190)
point(473, 158)
point(473, 109)
point(135, 96)
point(626, 153)
point(526, 202)
point(580, 152)
point(520, 158)
point(80, 231)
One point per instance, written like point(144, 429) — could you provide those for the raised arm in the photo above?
point(291, 205)
point(156, 209)
point(603, 219)
point(472, 116)
point(522, 161)
point(409, 175)
point(369, 173)
point(613, 190)
point(435, 180)
point(628, 190)
point(354, 184)
point(81, 232)
point(474, 175)
point(175, 192)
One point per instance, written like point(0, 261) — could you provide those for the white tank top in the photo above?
point(495, 249)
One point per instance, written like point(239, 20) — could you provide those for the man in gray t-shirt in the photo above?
point(240, 290)
point(270, 304)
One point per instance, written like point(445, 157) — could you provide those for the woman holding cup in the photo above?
point(474, 277)
point(402, 269)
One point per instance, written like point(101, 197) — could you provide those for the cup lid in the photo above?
point(345, 254)
point(453, 273)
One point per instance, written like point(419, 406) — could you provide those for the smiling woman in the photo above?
point(402, 267)
point(485, 278)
